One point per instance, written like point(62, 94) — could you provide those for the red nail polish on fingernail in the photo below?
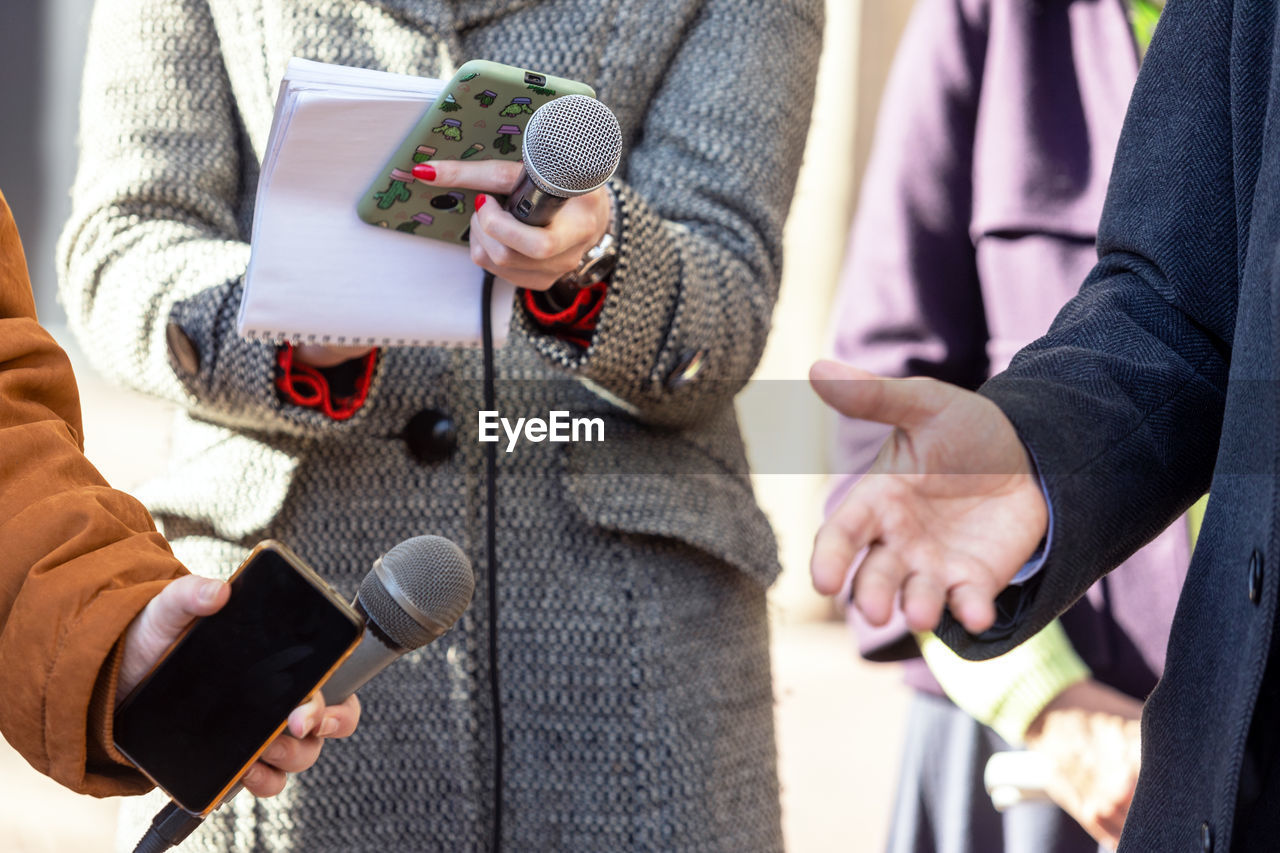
point(480, 200)
point(424, 172)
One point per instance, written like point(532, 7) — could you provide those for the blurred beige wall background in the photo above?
point(839, 720)
point(860, 39)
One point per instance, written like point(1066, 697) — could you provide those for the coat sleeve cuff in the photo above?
point(576, 324)
point(100, 769)
point(1037, 560)
point(337, 391)
point(1007, 693)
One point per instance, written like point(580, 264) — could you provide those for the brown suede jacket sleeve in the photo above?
point(78, 560)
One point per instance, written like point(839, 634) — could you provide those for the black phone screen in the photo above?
point(226, 687)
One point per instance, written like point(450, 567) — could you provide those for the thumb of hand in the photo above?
point(855, 393)
point(169, 613)
point(162, 621)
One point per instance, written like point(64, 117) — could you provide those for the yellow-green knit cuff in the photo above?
point(1007, 693)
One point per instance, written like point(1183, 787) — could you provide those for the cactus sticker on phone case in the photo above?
point(506, 139)
point(417, 220)
point(397, 190)
point(517, 107)
point(450, 128)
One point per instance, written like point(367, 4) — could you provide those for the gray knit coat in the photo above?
point(633, 653)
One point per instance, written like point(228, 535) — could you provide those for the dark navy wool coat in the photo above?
point(1157, 382)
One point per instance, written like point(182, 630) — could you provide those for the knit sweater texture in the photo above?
point(633, 644)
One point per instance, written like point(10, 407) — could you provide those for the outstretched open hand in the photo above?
point(949, 512)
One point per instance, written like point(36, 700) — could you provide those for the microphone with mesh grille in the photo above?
point(572, 145)
point(414, 593)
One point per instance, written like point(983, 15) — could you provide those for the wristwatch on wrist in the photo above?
point(596, 265)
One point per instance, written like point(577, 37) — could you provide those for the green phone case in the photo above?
point(480, 114)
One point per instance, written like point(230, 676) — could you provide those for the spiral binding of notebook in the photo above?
point(265, 336)
point(316, 272)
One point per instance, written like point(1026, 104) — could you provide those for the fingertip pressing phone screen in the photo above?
point(228, 685)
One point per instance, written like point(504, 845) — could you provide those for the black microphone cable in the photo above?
point(169, 828)
point(491, 547)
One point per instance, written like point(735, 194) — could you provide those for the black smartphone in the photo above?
point(225, 688)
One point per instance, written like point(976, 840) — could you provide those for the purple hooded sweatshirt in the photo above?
point(976, 222)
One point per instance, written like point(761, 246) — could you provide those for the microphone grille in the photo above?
point(418, 590)
point(571, 145)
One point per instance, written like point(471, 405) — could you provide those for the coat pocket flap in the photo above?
point(651, 484)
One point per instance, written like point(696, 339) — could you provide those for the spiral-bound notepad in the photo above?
point(317, 273)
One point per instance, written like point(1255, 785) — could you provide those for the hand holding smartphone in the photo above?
point(223, 692)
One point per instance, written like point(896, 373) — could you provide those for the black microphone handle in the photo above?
point(531, 204)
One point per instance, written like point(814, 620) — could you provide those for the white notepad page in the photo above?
point(317, 272)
